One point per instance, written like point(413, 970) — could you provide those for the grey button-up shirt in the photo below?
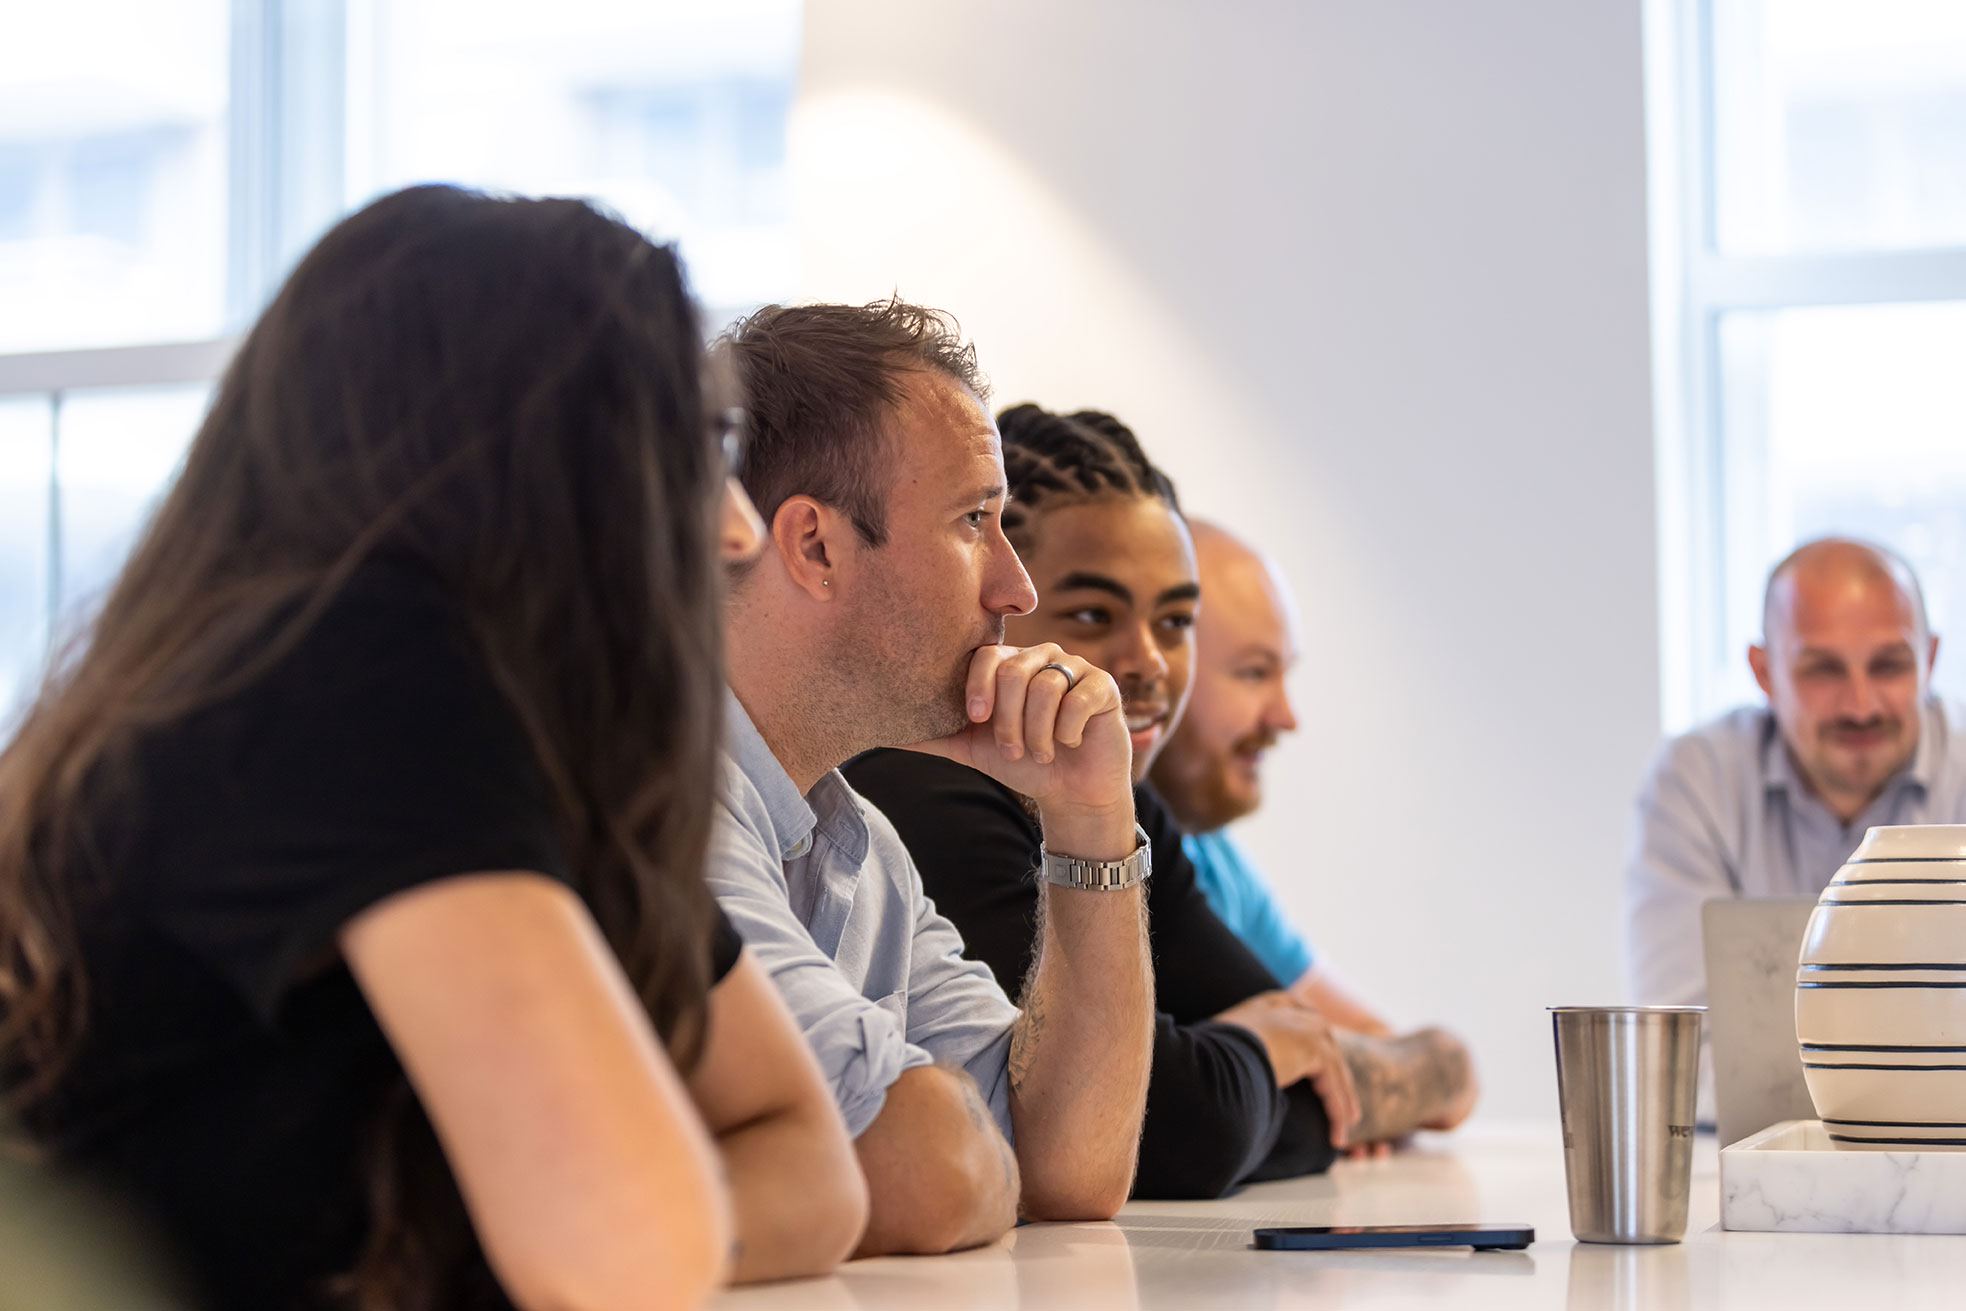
point(829, 902)
point(1724, 814)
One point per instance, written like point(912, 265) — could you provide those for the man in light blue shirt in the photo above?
point(874, 618)
point(1770, 800)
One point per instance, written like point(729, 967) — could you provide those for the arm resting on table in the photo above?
point(1421, 1080)
point(590, 1181)
point(796, 1190)
point(1080, 1053)
point(940, 1175)
point(1213, 1111)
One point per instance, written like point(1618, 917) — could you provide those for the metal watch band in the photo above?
point(1101, 875)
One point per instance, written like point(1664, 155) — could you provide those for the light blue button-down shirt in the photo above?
point(1724, 814)
point(829, 902)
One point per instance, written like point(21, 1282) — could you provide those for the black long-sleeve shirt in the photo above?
point(1215, 1117)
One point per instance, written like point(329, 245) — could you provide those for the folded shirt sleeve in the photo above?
point(861, 1044)
point(957, 1012)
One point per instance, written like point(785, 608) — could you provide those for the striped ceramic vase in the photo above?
point(1880, 992)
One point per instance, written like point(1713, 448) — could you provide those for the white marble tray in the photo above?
point(1791, 1178)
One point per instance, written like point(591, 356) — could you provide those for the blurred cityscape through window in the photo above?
point(162, 164)
point(113, 151)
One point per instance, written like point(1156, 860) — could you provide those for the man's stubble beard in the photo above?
point(1200, 798)
point(1224, 803)
point(892, 696)
point(1214, 802)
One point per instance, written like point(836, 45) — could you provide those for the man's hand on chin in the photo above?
point(1049, 726)
point(1054, 734)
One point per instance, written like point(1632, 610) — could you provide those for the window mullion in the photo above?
point(309, 75)
point(1690, 515)
point(253, 120)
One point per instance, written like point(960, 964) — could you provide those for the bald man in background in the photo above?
point(1209, 774)
point(1770, 800)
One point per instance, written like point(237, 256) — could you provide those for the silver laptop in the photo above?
point(1752, 946)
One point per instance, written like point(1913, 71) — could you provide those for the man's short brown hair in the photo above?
point(819, 383)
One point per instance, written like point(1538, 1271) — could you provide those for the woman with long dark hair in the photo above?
point(352, 924)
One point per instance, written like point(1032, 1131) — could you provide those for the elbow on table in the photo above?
point(676, 1272)
point(1096, 1197)
point(956, 1198)
point(680, 1292)
point(837, 1215)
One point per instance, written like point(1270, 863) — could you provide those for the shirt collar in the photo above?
point(831, 808)
point(1778, 769)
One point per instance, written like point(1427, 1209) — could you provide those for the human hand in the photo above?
point(1302, 1045)
point(1060, 740)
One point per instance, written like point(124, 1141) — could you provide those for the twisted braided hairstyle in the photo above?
point(1084, 456)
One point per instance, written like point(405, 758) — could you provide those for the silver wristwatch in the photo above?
point(1101, 875)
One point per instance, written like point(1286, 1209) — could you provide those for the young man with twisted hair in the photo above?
point(875, 617)
point(1247, 1082)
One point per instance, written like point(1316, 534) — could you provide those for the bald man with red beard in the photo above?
point(1210, 775)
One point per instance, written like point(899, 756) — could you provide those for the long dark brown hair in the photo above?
point(507, 395)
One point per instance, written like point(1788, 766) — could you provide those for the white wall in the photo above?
point(1369, 280)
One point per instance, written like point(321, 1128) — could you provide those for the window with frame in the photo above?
point(161, 166)
point(1809, 217)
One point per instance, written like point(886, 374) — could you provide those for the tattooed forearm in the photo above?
point(1406, 1083)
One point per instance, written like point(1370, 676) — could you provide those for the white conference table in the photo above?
point(1195, 1256)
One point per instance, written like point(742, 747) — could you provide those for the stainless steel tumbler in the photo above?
point(1627, 1080)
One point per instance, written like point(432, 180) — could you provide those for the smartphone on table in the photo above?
point(1329, 1238)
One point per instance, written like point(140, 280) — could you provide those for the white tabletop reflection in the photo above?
point(1194, 1256)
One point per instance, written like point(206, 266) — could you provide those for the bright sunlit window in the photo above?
point(674, 114)
point(162, 165)
point(113, 148)
point(1812, 262)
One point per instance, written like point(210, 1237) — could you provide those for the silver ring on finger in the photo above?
point(1071, 679)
